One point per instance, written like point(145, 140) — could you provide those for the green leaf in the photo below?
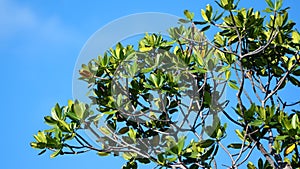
point(296, 72)
point(146, 85)
point(278, 4)
point(233, 85)
point(277, 146)
point(189, 15)
point(172, 159)
point(72, 116)
point(280, 137)
point(205, 28)
point(146, 70)
point(278, 71)
point(235, 145)
point(41, 137)
point(103, 153)
point(227, 74)
point(145, 49)
point(132, 134)
point(154, 80)
point(224, 2)
point(291, 63)
point(161, 159)
point(34, 145)
point(208, 11)
point(239, 134)
point(206, 143)
point(123, 130)
point(220, 5)
point(295, 121)
point(143, 160)
point(294, 81)
point(287, 124)
point(218, 40)
point(56, 153)
point(78, 109)
point(63, 126)
point(219, 133)
point(233, 39)
point(110, 112)
point(289, 149)
point(250, 165)
point(296, 37)
point(42, 152)
point(262, 113)
point(180, 144)
point(203, 13)
point(38, 145)
point(268, 10)
point(216, 18)
point(54, 114)
point(270, 3)
point(58, 111)
point(256, 123)
point(200, 23)
point(174, 150)
point(69, 136)
point(70, 103)
point(184, 21)
point(50, 120)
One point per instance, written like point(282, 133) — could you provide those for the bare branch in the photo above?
point(261, 48)
point(278, 85)
point(227, 152)
point(248, 155)
point(243, 144)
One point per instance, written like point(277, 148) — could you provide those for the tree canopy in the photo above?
point(164, 100)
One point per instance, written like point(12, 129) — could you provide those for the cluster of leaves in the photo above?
point(255, 54)
point(65, 121)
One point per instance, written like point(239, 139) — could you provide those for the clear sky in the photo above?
point(39, 44)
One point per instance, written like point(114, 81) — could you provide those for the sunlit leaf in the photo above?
point(289, 149)
point(56, 153)
point(233, 85)
point(103, 153)
point(189, 15)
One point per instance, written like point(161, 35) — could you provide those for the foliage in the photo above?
point(254, 53)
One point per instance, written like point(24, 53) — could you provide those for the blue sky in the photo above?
point(40, 42)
